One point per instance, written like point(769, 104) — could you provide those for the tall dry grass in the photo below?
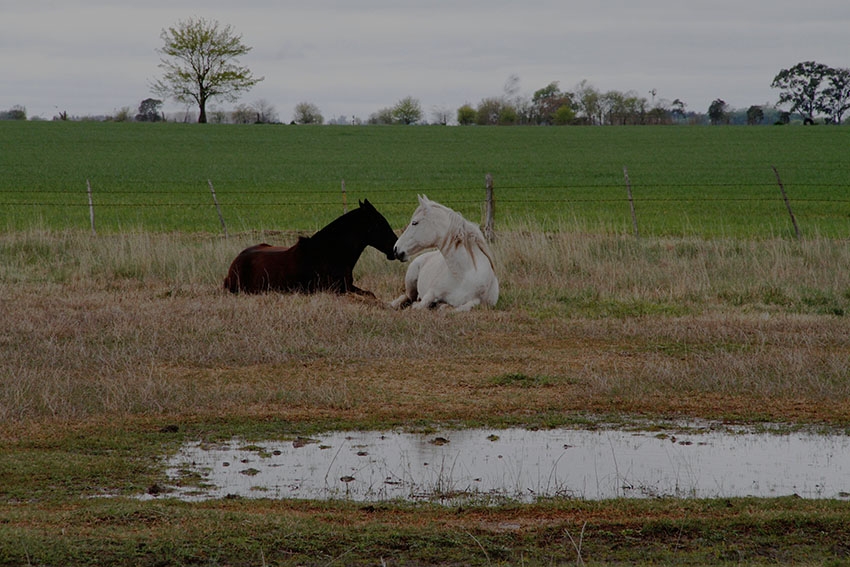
point(138, 324)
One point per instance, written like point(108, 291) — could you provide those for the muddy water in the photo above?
point(517, 464)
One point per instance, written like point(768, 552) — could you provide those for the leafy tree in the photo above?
point(755, 115)
point(308, 113)
point(624, 108)
point(17, 112)
point(149, 110)
point(717, 111)
point(407, 111)
point(658, 114)
point(563, 116)
point(123, 114)
point(508, 115)
point(835, 99)
point(200, 60)
point(490, 111)
point(548, 102)
point(466, 115)
point(801, 87)
point(382, 116)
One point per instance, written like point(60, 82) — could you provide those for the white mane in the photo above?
point(462, 232)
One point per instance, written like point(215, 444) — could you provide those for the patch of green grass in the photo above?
point(267, 532)
point(518, 379)
point(587, 303)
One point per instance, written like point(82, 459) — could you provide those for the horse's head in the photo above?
point(426, 229)
point(380, 234)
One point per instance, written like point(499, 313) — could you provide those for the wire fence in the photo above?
point(248, 198)
point(825, 207)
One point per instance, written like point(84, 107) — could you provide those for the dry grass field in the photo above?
point(137, 326)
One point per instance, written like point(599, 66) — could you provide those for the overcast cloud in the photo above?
point(92, 57)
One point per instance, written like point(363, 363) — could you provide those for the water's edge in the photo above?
point(492, 465)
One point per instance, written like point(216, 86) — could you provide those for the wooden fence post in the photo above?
point(631, 200)
point(787, 203)
point(489, 209)
point(217, 208)
point(344, 199)
point(91, 207)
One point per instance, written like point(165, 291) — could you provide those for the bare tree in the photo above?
point(265, 112)
point(589, 102)
point(441, 115)
point(243, 114)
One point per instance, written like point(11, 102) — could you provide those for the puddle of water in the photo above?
point(516, 464)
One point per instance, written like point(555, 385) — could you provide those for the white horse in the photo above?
point(459, 273)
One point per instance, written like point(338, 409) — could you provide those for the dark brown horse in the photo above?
point(322, 262)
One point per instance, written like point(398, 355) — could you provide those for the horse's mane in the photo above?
point(336, 226)
point(466, 233)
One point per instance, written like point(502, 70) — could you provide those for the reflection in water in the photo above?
point(517, 464)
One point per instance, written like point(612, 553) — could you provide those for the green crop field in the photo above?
point(700, 181)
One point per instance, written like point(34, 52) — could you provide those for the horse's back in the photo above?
point(250, 270)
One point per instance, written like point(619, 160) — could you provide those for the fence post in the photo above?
point(344, 199)
point(489, 208)
point(787, 203)
point(217, 208)
point(91, 207)
point(631, 200)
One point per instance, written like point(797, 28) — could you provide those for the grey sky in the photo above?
point(90, 57)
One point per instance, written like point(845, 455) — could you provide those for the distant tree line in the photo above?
point(808, 90)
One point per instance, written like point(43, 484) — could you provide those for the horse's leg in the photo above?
point(361, 292)
point(411, 286)
point(426, 301)
point(401, 302)
point(468, 305)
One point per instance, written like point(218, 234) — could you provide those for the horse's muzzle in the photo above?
point(399, 255)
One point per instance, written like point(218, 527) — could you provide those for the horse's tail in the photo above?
point(233, 281)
